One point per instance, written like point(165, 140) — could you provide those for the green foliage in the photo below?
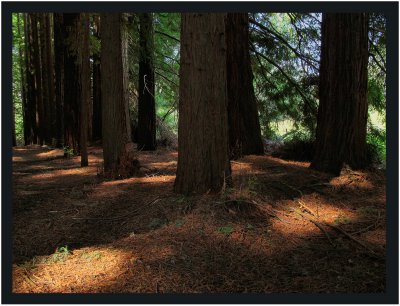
point(376, 145)
point(341, 220)
point(60, 255)
point(68, 152)
point(227, 230)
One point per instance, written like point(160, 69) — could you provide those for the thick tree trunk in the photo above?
point(45, 77)
point(71, 83)
point(96, 119)
point(38, 79)
point(203, 160)
point(342, 113)
point(59, 77)
point(244, 125)
point(50, 80)
point(30, 128)
point(118, 151)
point(146, 130)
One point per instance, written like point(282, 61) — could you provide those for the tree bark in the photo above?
point(71, 83)
point(244, 125)
point(146, 130)
point(59, 77)
point(50, 80)
point(38, 79)
point(84, 81)
point(203, 159)
point(96, 120)
point(343, 108)
point(45, 77)
point(30, 127)
point(118, 151)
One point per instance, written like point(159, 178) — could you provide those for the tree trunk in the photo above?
point(71, 83)
point(45, 77)
point(30, 128)
point(244, 125)
point(343, 109)
point(38, 79)
point(50, 80)
point(84, 82)
point(59, 77)
point(203, 159)
point(96, 120)
point(118, 151)
point(146, 130)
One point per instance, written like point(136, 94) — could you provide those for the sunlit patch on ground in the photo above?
point(75, 231)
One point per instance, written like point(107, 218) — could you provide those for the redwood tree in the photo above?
point(146, 129)
point(118, 151)
point(59, 76)
point(96, 120)
point(244, 125)
point(38, 78)
point(342, 113)
point(203, 159)
point(76, 82)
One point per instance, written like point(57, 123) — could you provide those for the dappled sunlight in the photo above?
point(51, 153)
point(86, 268)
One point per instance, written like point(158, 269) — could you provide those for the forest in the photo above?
point(199, 152)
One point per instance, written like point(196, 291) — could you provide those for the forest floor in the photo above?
point(282, 228)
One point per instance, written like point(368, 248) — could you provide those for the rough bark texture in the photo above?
point(96, 119)
point(244, 125)
point(50, 79)
point(30, 128)
point(118, 151)
point(71, 83)
point(84, 82)
point(203, 160)
point(146, 130)
point(59, 77)
point(38, 80)
point(342, 113)
point(45, 77)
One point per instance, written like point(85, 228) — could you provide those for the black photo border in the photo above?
point(390, 9)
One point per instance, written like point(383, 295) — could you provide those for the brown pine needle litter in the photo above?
point(282, 228)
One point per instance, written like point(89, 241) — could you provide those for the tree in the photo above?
point(38, 79)
point(96, 121)
point(203, 159)
point(59, 76)
point(146, 130)
point(244, 125)
point(50, 78)
point(118, 151)
point(76, 78)
point(30, 127)
point(342, 113)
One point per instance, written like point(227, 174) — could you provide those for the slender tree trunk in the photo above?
point(203, 159)
point(30, 128)
point(146, 130)
point(244, 125)
point(50, 79)
point(71, 83)
point(38, 80)
point(342, 113)
point(45, 77)
point(59, 77)
point(96, 121)
point(84, 81)
point(118, 151)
